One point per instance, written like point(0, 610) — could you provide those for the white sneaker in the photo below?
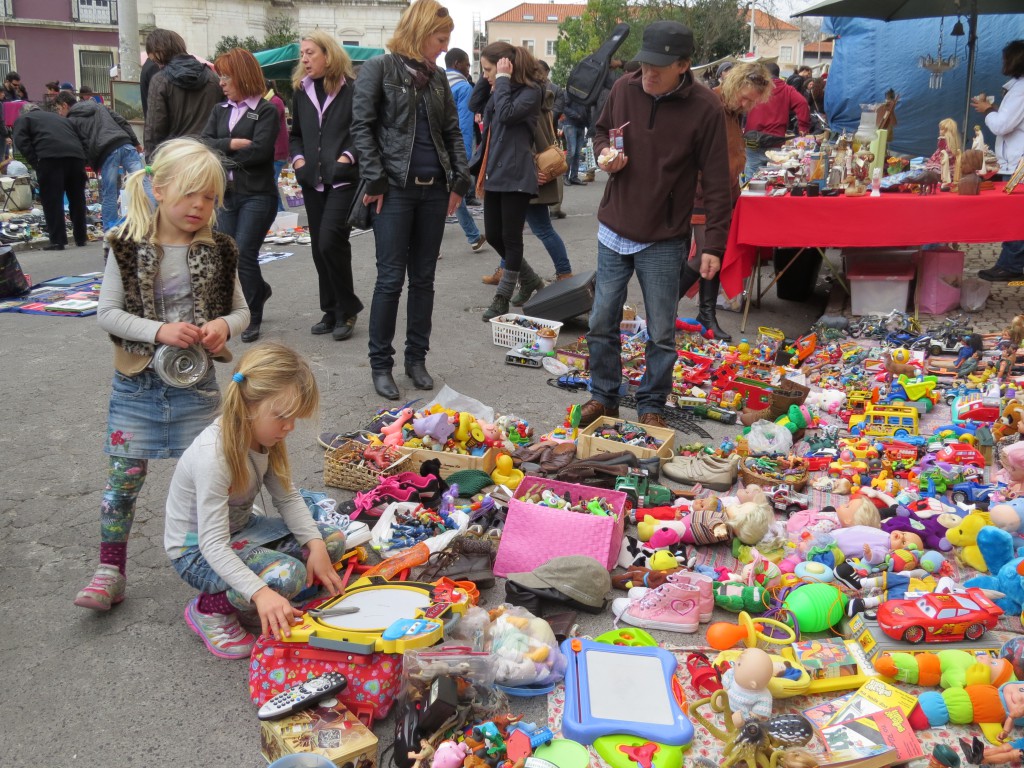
point(222, 634)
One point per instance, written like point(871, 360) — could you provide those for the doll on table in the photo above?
point(947, 151)
point(969, 357)
point(1012, 695)
point(1014, 335)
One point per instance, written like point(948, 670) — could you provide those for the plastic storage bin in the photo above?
point(534, 534)
point(942, 273)
point(508, 333)
point(877, 288)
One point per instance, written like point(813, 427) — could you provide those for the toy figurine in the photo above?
point(746, 684)
point(505, 474)
point(426, 753)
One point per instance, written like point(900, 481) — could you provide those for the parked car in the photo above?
point(939, 618)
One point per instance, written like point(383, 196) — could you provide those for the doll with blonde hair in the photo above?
point(715, 520)
point(859, 511)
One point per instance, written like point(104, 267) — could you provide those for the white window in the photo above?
point(5, 60)
point(549, 48)
point(94, 67)
point(552, 18)
point(786, 53)
point(96, 11)
point(528, 45)
point(527, 17)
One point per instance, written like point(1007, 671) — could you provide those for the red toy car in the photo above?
point(942, 618)
point(962, 454)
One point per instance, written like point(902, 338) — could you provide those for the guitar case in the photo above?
point(587, 78)
point(563, 299)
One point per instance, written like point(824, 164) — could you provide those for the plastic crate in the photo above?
point(508, 334)
point(534, 534)
point(878, 288)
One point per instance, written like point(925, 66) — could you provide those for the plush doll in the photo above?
point(449, 754)
point(1008, 423)
point(1012, 471)
point(1009, 516)
point(930, 529)
point(997, 551)
point(872, 544)
point(965, 536)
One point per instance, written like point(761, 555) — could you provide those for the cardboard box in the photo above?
point(589, 444)
point(329, 731)
point(451, 462)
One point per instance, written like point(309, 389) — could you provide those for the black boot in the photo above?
point(708, 305)
point(417, 371)
point(687, 279)
point(384, 384)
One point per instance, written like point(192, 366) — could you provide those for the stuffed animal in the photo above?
point(450, 755)
point(826, 400)
point(965, 536)
point(996, 548)
point(1009, 516)
point(1007, 424)
point(930, 529)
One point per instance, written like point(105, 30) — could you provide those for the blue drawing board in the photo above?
point(611, 689)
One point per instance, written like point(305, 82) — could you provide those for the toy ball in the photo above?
point(816, 606)
point(1013, 651)
point(901, 355)
point(931, 561)
point(813, 571)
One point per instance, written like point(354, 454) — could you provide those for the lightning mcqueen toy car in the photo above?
point(939, 618)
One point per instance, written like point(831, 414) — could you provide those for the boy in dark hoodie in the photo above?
point(181, 95)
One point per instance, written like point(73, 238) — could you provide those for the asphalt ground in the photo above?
point(135, 687)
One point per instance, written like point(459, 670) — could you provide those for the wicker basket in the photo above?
point(793, 472)
point(788, 393)
point(345, 467)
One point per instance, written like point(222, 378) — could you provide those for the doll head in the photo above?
point(1008, 516)
point(859, 511)
point(750, 520)
point(905, 540)
point(707, 504)
point(1013, 461)
point(1013, 699)
point(753, 670)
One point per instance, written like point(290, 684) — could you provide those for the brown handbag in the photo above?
point(551, 160)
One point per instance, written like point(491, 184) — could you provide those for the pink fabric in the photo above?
point(215, 603)
point(281, 145)
point(238, 109)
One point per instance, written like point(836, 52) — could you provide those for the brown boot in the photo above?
point(653, 420)
point(465, 559)
point(566, 276)
point(592, 410)
point(492, 279)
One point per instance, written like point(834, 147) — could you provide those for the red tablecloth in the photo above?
point(895, 219)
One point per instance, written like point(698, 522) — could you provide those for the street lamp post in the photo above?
point(751, 47)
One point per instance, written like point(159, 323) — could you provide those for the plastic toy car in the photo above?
point(978, 494)
point(820, 459)
point(977, 408)
point(939, 618)
point(847, 468)
point(859, 449)
point(785, 499)
point(962, 454)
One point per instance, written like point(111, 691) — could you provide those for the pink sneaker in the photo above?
point(672, 607)
point(703, 584)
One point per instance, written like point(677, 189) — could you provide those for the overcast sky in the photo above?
point(462, 13)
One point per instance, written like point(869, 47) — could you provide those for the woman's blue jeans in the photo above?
point(539, 219)
point(657, 270)
point(408, 231)
point(123, 157)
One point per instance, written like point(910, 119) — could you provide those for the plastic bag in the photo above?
point(974, 293)
point(766, 438)
point(456, 401)
point(525, 649)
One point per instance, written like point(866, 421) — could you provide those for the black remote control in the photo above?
point(302, 696)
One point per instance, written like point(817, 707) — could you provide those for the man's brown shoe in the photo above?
point(653, 420)
point(492, 279)
point(592, 410)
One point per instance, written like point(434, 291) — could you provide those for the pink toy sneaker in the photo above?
point(672, 607)
point(703, 584)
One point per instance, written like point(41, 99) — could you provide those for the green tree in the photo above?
point(280, 30)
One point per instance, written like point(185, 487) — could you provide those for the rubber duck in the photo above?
point(505, 474)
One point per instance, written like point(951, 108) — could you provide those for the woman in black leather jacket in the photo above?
point(412, 158)
point(509, 95)
point(325, 165)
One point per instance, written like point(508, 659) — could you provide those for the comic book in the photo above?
point(888, 728)
point(874, 696)
point(822, 714)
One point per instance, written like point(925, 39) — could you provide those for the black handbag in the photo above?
point(12, 279)
point(358, 213)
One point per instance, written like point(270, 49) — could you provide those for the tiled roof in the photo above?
point(540, 12)
point(764, 20)
point(825, 48)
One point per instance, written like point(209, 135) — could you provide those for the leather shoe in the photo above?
point(384, 384)
point(712, 472)
point(251, 334)
point(653, 420)
point(418, 373)
point(343, 330)
point(326, 325)
point(592, 410)
point(999, 275)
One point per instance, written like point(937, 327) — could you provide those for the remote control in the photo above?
point(302, 696)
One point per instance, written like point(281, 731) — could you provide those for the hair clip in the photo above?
point(149, 170)
point(238, 378)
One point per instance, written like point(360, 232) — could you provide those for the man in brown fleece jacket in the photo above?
point(673, 129)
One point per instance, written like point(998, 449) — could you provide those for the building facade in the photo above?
point(774, 38)
point(533, 26)
point(71, 41)
point(368, 23)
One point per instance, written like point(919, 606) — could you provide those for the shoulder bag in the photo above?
point(550, 160)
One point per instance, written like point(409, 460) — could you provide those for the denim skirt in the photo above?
point(150, 420)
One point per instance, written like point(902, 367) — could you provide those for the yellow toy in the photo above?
point(965, 535)
point(724, 635)
point(505, 474)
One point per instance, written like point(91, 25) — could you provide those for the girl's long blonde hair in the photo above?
point(338, 65)
point(179, 168)
point(420, 20)
point(267, 371)
point(739, 76)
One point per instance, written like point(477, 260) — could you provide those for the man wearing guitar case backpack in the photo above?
point(672, 129)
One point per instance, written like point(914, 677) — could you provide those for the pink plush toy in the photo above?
point(450, 755)
point(663, 537)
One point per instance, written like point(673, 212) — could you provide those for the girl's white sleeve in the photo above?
point(1010, 115)
point(238, 320)
point(211, 479)
point(111, 314)
point(293, 510)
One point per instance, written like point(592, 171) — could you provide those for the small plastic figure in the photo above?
point(425, 754)
point(746, 684)
point(1011, 752)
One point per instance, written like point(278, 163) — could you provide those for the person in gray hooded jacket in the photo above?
point(110, 146)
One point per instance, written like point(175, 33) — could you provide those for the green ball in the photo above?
point(816, 606)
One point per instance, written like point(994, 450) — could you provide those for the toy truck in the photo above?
point(641, 491)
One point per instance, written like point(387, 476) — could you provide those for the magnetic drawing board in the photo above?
point(627, 690)
point(378, 608)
